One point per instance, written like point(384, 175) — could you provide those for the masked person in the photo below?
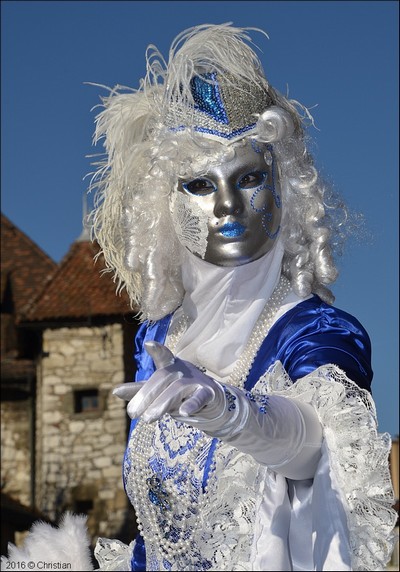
point(253, 442)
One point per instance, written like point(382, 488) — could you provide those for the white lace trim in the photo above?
point(112, 554)
point(358, 456)
point(228, 518)
point(359, 460)
point(190, 222)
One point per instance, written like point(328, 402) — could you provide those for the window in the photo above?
point(86, 400)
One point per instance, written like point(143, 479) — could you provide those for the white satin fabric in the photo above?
point(301, 525)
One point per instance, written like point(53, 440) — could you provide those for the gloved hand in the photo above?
point(177, 388)
point(284, 434)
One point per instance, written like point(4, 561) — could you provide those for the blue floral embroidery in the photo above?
point(170, 437)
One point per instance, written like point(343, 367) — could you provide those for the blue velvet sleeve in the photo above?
point(314, 334)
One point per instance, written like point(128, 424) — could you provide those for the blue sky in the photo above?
point(341, 57)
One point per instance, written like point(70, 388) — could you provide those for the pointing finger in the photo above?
point(161, 355)
point(127, 390)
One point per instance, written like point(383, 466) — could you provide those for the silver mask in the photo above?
point(236, 206)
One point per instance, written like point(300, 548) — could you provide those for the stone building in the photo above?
point(74, 429)
point(25, 270)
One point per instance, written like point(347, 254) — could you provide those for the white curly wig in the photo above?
point(150, 139)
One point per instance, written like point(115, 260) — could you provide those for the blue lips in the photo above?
point(232, 229)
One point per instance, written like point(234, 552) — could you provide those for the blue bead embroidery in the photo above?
point(157, 494)
point(260, 400)
point(231, 399)
point(266, 218)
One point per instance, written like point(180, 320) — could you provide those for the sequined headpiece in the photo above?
point(224, 106)
point(213, 83)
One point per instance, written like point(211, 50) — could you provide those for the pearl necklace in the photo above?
point(169, 510)
point(264, 322)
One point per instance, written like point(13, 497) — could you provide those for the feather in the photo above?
point(67, 544)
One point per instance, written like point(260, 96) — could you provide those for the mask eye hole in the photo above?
point(252, 180)
point(199, 187)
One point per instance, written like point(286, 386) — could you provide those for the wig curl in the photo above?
point(145, 155)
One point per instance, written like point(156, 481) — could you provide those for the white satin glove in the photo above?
point(177, 387)
point(284, 435)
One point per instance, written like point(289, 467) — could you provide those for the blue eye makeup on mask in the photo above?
point(202, 187)
point(199, 187)
point(252, 180)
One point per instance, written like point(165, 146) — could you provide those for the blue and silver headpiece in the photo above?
point(223, 107)
point(213, 83)
point(227, 109)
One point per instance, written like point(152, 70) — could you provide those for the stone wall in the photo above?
point(15, 450)
point(79, 455)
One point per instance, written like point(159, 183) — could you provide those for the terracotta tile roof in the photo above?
point(25, 268)
point(78, 290)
